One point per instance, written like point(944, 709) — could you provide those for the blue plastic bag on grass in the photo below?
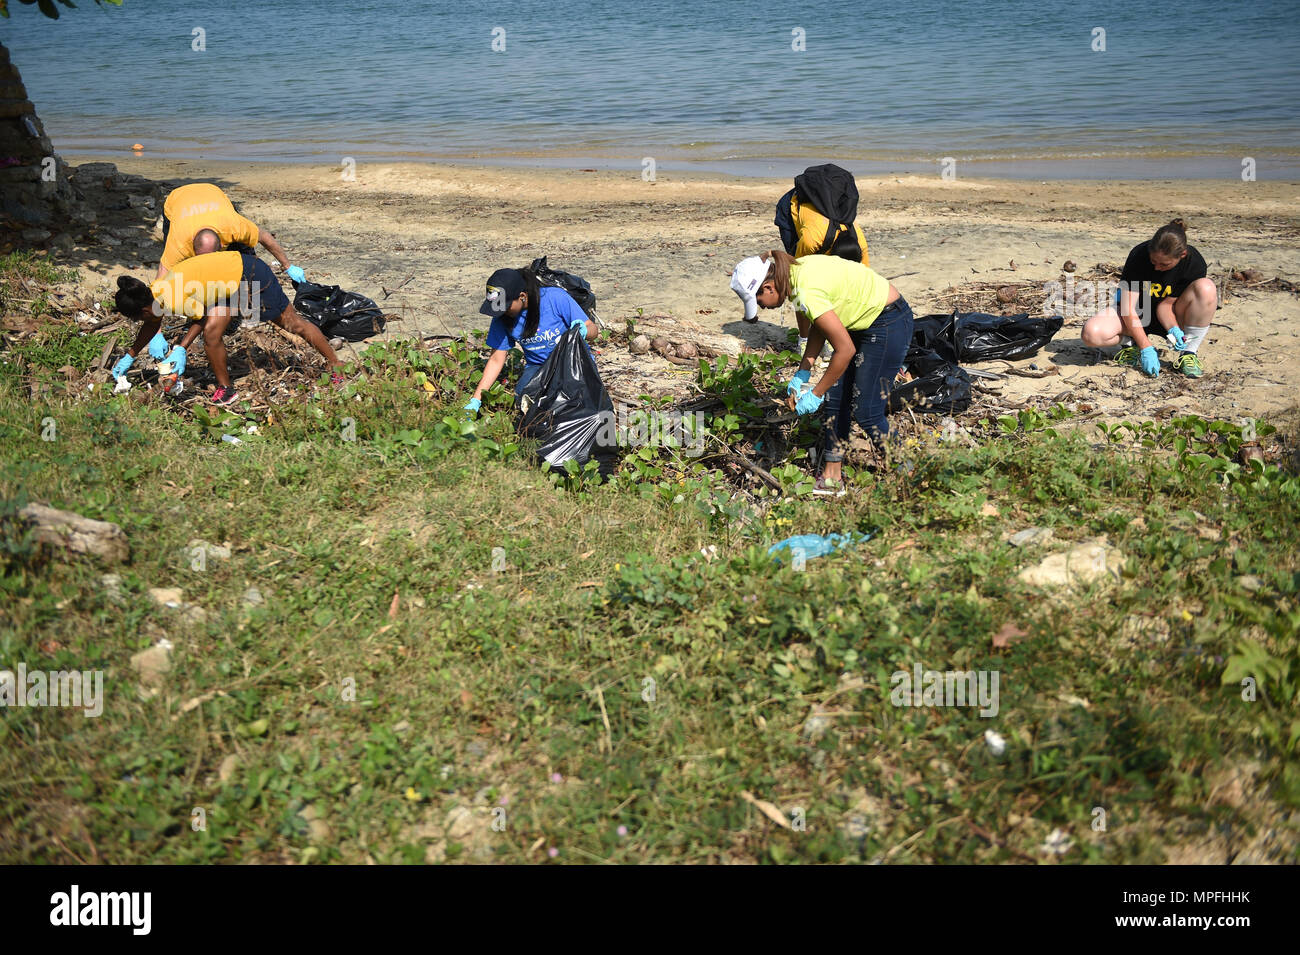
point(817, 545)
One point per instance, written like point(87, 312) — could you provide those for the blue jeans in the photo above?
point(881, 349)
point(530, 371)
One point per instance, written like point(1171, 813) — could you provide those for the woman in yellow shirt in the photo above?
point(867, 322)
point(210, 290)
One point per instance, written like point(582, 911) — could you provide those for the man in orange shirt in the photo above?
point(199, 219)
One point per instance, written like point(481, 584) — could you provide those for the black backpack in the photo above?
point(575, 285)
point(832, 191)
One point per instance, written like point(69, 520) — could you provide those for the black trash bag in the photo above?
point(982, 337)
point(934, 333)
point(568, 410)
point(966, 337)
point(575, 285)
point(338, 314)
point(938, 385)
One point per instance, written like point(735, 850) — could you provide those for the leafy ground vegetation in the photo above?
point(397, 640)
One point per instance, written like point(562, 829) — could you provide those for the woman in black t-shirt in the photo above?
point(1167, 277)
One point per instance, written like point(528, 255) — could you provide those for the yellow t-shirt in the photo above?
point(810, 228)
point(823, 283)
point(202, 205)
point(199, 282)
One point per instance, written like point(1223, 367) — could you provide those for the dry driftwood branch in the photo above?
point(81, 535)
point(755, 470)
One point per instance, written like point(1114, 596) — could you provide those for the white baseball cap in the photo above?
point(746, 279)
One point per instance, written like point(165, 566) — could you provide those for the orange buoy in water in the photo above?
point(138, 147)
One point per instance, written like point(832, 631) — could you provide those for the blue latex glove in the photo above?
point(157, 347)
point(1150, 363)
point(807, 403)
point(123, 366)
point(295, 274)
point(581, 326)
point(798, 381)
point(1175, 335)
point(474, 405)
point(177, 358)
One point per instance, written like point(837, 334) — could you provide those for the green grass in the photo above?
point(24, 273)
point(401, 690)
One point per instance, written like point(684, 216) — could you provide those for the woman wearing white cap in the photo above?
point(865, 320)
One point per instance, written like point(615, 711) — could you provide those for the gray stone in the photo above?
point(152, 666)
point(1030, 535)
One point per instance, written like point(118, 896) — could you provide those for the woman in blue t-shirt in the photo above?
point(526, 314)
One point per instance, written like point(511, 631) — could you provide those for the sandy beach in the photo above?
point(666, 248)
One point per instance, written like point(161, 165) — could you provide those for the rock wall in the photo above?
point(37, 197)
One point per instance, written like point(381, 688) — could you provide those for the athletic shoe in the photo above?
point(224, 397)
point(1189, 364)
point(1128, 355)
point(829, 488)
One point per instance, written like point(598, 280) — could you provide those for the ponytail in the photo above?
point(532, 288)
point(779, 273)
point(1171, 239)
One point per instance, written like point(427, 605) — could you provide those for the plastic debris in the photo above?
point(122, 386)
point(817, 545)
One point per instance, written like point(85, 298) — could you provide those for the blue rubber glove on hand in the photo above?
point(1150, 363)
point(295, 274)
point(474, 405)
point(123, 366)
point(807, 403)
point(1175, 335)
point(581, 326)
point(157, 347)
point(177, 358)
point(798, 381)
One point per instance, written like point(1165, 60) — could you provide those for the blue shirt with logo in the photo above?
point(558, 312)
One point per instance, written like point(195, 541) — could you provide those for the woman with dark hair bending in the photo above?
point(526, 314)
point(209, 290)
point(1177, 300)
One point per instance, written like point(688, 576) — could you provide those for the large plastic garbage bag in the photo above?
point(938, 385)
point(338, 314)
point(567, 409)
point(968, 337)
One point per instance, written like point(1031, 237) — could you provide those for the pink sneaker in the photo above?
point(224, 397)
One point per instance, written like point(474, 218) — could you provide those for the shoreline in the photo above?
point(1180, 168)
